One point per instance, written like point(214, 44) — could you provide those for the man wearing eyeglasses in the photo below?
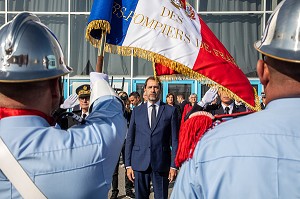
point(83, 92)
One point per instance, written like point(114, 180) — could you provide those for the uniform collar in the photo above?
point(8, 112)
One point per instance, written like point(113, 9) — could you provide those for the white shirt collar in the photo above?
point(230, 107)
point(156, 104)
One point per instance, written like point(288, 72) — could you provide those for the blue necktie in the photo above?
point(153, 116)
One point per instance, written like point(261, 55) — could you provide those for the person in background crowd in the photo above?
point(258, 155)
point(189, 106)
point(115, 183)
point(145, 97)
point(170, 99)
point(72, 163)
point(135, 99)
point(263, 101)
point(207, 100)
point(181, 101)
point(83, 93)
point(148, 154)
point(226, 106)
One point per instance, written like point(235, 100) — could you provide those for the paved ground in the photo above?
point(122, 185)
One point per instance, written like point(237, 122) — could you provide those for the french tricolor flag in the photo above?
point(170, 34)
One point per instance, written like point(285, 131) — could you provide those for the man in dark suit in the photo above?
point(149, 156)
point(181, 102)
point(135, 99)
point(263, 101)
point(226, 106)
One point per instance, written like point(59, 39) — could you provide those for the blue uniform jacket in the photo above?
point(255, 156)
point(68, 164)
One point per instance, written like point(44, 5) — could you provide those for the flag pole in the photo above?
point(100, 57)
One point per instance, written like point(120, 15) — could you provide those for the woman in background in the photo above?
point(170, 98)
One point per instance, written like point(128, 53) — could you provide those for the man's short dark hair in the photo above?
point(181, 95)
point(152, 78)
point(134, 94)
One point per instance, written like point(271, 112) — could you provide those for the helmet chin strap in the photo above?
point(61, 89)
point(55, 114)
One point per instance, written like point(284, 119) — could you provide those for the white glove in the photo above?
point(70, 102)
point(208, 97)
point(94, 76)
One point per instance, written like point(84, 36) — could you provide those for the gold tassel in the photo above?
point(96, 24)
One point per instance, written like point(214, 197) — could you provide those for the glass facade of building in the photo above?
point(237, 24)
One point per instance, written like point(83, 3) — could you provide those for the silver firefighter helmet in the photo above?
point(29, 51)
point(281, 37)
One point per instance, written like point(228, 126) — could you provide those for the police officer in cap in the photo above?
point(83, 92)
point(72, 163)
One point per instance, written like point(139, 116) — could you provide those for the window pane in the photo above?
point(115, 64)
point(176, 89)
point(140, 89)
point(232, 5)
point(83, 55)
point(142, 67)
point(2, 5)
point(81, 5)
point(238, 34)
point(58, 24)
point(193, 3)
point(204, 89)
point(2, 20)
point(38, 5)
point(271, 4)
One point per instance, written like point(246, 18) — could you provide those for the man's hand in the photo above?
point(130, 174)
point(172, 174)
point(208, 97)
point(94, 76)
point(70, 102)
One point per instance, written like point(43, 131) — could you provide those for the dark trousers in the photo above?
point(115, 184)
point(159, 180)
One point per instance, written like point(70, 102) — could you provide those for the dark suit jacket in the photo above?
point(218, 109)
point(66, 121)
point(71, 121)
point(182, 104)
point(146, 146)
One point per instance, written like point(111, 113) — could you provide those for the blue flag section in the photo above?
point(112, 16)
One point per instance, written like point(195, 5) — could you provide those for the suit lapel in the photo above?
point(220, 110)
point(234, 110)
point(144, 113)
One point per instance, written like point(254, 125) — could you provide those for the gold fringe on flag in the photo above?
point(178, 67)
point(185, 72)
